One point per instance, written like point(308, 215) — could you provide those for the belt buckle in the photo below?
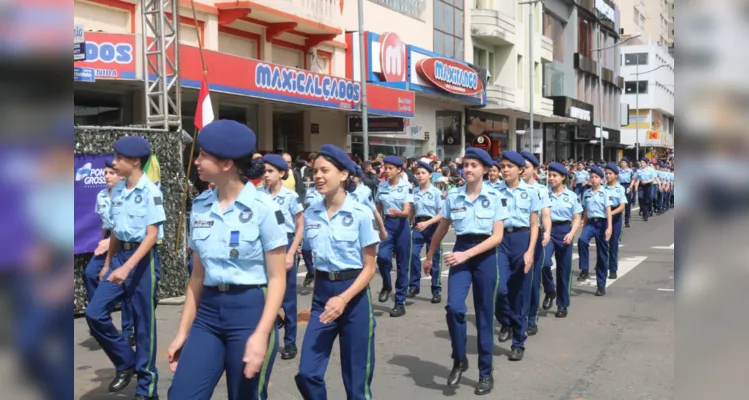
point(223, 287)
point(332, 276)
point(510, 229)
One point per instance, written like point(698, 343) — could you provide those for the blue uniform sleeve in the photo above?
point(501, 212)
point(155, 207)
point(271, 224)
point(535, 201)
point(409, 195)
point(445, 210)
point(368, 203)
point(294, 206)
point(623, 196)
point(606, 201)
point(543, 195)
point(577, 208)
point(438, 201)
point(190, 228)
point(377, 197)
point(367, 235)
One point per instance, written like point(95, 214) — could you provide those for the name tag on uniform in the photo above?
point(313, 226)
point(458, 209)
point(202, 223)
point(116, 203)
point(234, 242)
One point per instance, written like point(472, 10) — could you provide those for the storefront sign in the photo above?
point(377, 125)
point(606, 10)
point(579, 113)
point(84, 74)
point(393, 60)
point(79, 43)
point(89, 181)
point(412, 8)
point(573, 108)
point(449, 75)
point(305, 84)
point(653, 137)
point(111, 56)
point(482, 142)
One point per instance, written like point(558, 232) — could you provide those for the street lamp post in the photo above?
point(530, 65)
point(363, 81)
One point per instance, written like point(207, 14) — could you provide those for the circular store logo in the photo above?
point(393, 61)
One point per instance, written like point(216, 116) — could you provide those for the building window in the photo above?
point(633, 87)
point(636, 59)
point(448, 28)
point(584, 37)
point(553, 28)
point(520, 71)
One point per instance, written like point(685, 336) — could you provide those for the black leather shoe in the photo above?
point(131, 340)
point(561, 312)
point(121, 380)
point(583, 275)
point(437, 298)
point(601, 292)
point(139, 397)
point(532, 330)
point(612, 275)
point(398, 311)
point(453, 380)
point(412, 293)
point(279, 322)
point(384, 296)
point(289, 351)
point(626, 224)
point(504, 334)
point(485, 386)
point(549, 300)
point(308, 280)
point(516, 354)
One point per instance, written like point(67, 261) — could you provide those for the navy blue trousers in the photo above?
point(481, 271)
point(644, 194)
point(355, 330)
point(563, 257)
point(223, 323)
point(91, 281)
point(630, 200)
point(398, 242)
point(512, 307)
point(616, 238)
point(536, 277)
point(140, 289)
point(418, 241)
point(308, 261)
point(289, 304)
point(597, 231)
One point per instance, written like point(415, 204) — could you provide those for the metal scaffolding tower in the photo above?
point(161, 64)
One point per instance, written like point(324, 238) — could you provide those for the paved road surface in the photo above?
point(617, 347)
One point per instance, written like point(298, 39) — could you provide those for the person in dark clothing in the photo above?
point(370, 178)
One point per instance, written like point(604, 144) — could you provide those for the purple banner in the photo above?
point(89, 181)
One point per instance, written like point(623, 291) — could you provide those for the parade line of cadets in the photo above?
point(244, 245)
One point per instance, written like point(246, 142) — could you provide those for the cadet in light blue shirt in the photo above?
point(137, 219)
point(494, 180)
point(597, 223)
point(516, 253)
point(581, 178)
point(565, 221)
point(342, 235)
point(394, 201)
point(311, 196)
point(238, 237)
point(625, 178)
point(618, 201)
point(477, 212)
point(427, 205)
point(644, 179)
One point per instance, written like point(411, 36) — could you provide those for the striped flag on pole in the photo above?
point(204, 110)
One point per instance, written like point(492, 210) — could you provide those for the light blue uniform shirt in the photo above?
point(617, 195)
point(494, 186)
point(133, 210)
point(338, 242)
point(312, 196)
point(394, 197)
point(427, 204)
point(104, 208)
point(543, 198)
point(595, 203)
point(581, 176)
point(521, 202)
point(625, 176)
point(363, 195)
point(645, 174)
point(288, 202)
point(254, 223)
point(564, 206)
point(474, 217)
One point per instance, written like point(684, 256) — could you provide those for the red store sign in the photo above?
point(450, 76)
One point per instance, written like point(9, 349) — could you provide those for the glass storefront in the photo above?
point(497, 127)
point(449, 129)
point(558, 142)
point(387, 146)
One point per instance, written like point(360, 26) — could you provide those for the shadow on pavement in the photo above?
point(103, 378)
point(427, 374)
point(472, 344)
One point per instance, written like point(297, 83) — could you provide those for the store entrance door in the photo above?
point(288, 132)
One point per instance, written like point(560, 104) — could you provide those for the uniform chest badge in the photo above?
point(348, 220)
point(279, 200)
point(138, 199)
point(486, 203)
point(566, 199)
point(524, 195)
point(400, 189)
point(600, 194)
point(245, 216)
point(430, 196)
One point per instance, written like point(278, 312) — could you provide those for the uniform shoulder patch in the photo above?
point(279, 217)
point(158, 201)
point(504, 202)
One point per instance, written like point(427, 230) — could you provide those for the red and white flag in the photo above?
point(204, 110)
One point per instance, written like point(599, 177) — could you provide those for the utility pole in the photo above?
point(363, 81)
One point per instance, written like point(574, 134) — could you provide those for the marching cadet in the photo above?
point(565, 222)
point(477, 213)
point(394, 200)
point(597, 223)
point(363, 195)
point(625, 179)
point(539, 257)
point(642, 181)
point(654, 189)
point(131, 270)
point(342, 234)
point(494, 175)
point(618, 201)
point(310, 197)
point(276, 170)
point(427, 205)
point(238, 239)
point(516, 253)
point(91, 275)
point(581, 178)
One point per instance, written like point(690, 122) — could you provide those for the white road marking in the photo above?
point(593, 244)
point(664, 247)
point(625, 266)
point(665, 290)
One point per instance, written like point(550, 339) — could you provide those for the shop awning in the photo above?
point(518, 112)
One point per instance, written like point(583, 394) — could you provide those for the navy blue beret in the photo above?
point(612, 167)
point(359, 173)
point(276, 161)
point(224, 138)
point(514, 157)
point(625, 158)
point(422, 164)
point(132, 146)
point(530, 157)
point(595, 170)
point(645, 159)
point(108, 162)
point(393, 160)
point(339, 156)
point(478, 154)
point(496, 163)
point(557, 167)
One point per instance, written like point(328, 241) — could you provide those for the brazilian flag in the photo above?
point(152, 169)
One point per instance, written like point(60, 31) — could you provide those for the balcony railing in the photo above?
point(497, 95)
point(553, 81)
point(547, 48)
point(493, 26)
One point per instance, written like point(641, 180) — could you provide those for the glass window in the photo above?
point(448, 28)
point(448, 19)
point(633, 87)
point(439, 42)
point(449, 49)
point(520, 71)
point(438, 14)
point(458, 23)
point(636, 59)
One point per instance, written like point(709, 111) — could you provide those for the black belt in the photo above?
point(647, 184)
point(290, 235)
point(421, 219)
point(597, 219)
point(229, 287)
point(557, 223)
point(128, 246)
point(473, 238)
point(391, 217)
point(517, 229)
point(337, 276)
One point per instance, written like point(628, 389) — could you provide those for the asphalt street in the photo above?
point(620, 346)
